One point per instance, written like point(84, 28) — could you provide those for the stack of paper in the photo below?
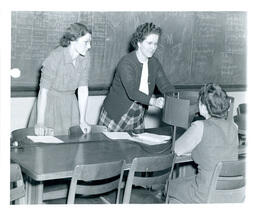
point(146, 138)
point(118, 135)
point(151, 139)
point(44, 139)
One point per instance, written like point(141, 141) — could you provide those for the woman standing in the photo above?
point(136, 76)
point(63, 71)
point(209, 141)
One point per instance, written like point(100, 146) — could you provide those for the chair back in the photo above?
point(76, 130)
point(228, 182)
point(20, 134)
point(148, 171)
point(93, 179)
point(242, 109)
point(17, 191)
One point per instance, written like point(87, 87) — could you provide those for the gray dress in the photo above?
point(61, 78)
point(219, 142)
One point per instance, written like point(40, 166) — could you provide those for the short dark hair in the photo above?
point(215, 99)
point(142, 31)
point(72, 33)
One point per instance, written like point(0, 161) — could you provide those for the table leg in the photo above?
point(34, 191)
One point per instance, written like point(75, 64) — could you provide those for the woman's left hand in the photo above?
point(85, 127)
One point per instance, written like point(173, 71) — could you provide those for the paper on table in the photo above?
point(118, 135)
point(146, 138)
point(44, 139)
point(151, 139)
point(186, 154)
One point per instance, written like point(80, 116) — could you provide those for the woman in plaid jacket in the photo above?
point(134, 82)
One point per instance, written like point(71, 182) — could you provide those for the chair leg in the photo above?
point(72, 191)
point(104, 200)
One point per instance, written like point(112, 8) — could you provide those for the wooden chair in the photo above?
point(147, 172)
point(76, 130)
point(59, 189)
point(228, 182)
point(17, 191)
point(94, 179)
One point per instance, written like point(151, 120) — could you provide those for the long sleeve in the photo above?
point(162, 82)
point(128, 78)
point(84, 78)
point(190, 139)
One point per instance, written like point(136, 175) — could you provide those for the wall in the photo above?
point(21, 107)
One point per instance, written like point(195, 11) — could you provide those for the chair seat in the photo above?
point(229, 196)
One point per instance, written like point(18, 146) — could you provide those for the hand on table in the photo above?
point(85, 127)
point(41, 130)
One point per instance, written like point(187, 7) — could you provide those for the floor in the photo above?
point(139, 196)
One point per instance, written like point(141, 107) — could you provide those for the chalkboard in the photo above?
point(195, 47)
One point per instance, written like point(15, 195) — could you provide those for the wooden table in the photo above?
point(41, 162)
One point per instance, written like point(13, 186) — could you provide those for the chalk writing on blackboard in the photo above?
point(195, 47)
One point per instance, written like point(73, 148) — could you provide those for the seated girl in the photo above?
point(209, 141)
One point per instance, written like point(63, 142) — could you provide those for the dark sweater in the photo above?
point(125, 85)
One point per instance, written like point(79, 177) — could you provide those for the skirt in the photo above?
point(133, 119)
point(61, 113)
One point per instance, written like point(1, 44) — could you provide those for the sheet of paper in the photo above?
point(44, 139)
point(151, 139)
point(186, 154)
point(146, 138)
point(118, 135)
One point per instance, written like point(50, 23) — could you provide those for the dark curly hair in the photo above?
point(215, 99)
point(142, 31)
point(72, 33)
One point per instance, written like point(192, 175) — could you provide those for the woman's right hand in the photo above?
point(157, 102)
point(41, 130)
point(85, 127)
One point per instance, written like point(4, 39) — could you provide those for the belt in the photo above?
point(61, 93)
